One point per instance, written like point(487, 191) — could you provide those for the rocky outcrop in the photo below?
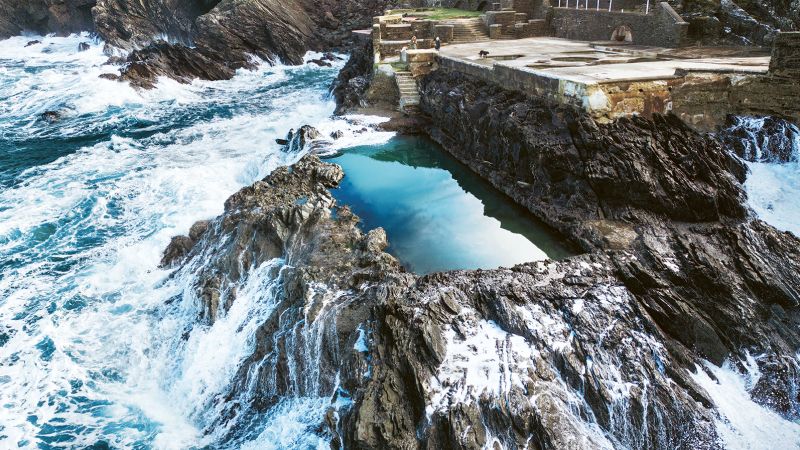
point(596, 351)
point(716, 281)
point(61, 17)
point(739, 22)
point(134, 24)
point(761, 139)
point(228, 33)
point(269, 29)
point(353, 80)
point(143, 67)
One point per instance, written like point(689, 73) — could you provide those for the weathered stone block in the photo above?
point(423, 29)
point(495, 31)
point(445, 32)
point(417, 56)
point(396, 32)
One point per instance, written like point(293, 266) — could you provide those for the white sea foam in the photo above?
point(96, 328)
point(744, 424)
point(773, 191)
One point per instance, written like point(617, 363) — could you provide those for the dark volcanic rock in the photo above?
point(50, 116)
point(31, 43)
point(708, 275)
point(176, 61)
point(596, 351)
point(762, 139)
point(84, 46)
point(353, 80)
point(320, 63)
point(133, 24)
point(231, 32)
point(61, 17)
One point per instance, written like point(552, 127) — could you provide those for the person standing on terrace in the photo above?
point(413, 45)
point(437, 43)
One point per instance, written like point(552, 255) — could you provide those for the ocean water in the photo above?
point(99, 347)
point(94, 348)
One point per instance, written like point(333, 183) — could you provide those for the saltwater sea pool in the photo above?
point(438, 214)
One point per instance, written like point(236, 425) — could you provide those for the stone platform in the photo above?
point(608, 80)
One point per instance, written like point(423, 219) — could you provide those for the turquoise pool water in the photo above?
point(437, 213)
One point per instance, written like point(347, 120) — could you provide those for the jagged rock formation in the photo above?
point(353, 80)
point(45, 16)
point(227, 34)
point(761, 139)
point(596, 351)
point(206, 39)
point(143, 67)
point(739, 22)
point(133, 24)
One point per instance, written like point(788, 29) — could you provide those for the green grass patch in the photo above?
point(437, 13)
point(399, 67)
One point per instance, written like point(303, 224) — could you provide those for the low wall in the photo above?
point(504, 21)
point(531, 28)
point(663, 27)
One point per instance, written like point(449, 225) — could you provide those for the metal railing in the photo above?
point(585, 5)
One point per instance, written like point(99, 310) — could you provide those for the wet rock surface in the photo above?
point(61, 17)
point(143, 67)
point(222, 36)
point(353, 80)
point(763, 139)
point(595, 351)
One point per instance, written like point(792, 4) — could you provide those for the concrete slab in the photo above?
point(589, 63)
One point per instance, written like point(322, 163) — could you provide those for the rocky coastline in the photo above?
point(600, 350)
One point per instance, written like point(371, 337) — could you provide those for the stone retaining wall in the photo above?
point(663, 27)
point(785, 60)
point(505, 21)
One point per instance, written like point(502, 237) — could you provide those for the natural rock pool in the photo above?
point(437, 213)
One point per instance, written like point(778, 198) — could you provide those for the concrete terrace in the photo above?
point(606, 79)
point(593, 63)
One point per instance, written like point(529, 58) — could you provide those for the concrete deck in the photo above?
point(595, 63)
point(608, 80)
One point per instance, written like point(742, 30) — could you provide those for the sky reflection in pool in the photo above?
point(437, 213)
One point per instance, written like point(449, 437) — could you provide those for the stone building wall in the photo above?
point(663, 27)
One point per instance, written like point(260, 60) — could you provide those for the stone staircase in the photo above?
point(409, 92)
point(468, 30)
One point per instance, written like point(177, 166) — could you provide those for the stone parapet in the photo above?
point(421, 62)
point(396, 32)
point(423, 29)
point(495, 31)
